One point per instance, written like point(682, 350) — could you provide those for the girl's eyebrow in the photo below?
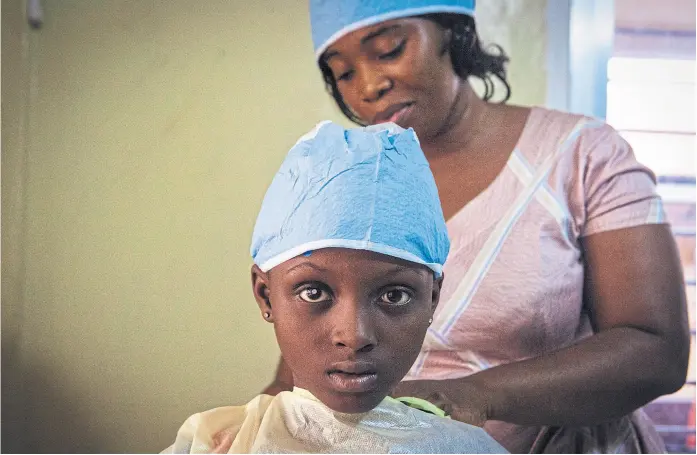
point(398, 269)
point(307, 264)
point(394, 270)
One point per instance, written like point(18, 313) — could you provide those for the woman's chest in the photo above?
point(461, 182)
point(514, 277)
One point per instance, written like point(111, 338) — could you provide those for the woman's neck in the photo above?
point(462, 127)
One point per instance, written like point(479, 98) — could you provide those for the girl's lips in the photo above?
point(356, 383)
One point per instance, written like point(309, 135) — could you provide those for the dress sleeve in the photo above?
point(619, 192)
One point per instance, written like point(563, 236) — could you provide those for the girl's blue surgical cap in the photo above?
point(332, 19)
point(363, 188)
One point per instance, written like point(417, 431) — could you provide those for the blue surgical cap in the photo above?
point(332, 19)
point(364, 188)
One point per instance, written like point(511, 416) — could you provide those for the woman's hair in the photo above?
point(467, 55)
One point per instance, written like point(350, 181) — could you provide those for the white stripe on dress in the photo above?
point(462, 297)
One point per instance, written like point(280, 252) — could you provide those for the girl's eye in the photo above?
point(396, 297)
point(314, 295)
point(394, 53)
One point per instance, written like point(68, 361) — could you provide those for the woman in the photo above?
point(563, 308)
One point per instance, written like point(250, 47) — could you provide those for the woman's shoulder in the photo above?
point(551, 132)
point(543, 115)
point(551, 126)
point(593, 169)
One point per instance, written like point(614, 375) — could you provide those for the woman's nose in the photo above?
point(353, 328)
point(374, 85)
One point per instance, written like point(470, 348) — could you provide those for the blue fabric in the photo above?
point(362, 188)
point(332, 19)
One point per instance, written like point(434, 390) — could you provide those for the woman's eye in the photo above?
point(345, 76)
point(394, 52)
point(396, 297)
point(313, 295)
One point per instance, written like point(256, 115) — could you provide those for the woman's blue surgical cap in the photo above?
point(363, 188)
point(332, 19)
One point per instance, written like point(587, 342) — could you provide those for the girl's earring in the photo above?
point(267, 315)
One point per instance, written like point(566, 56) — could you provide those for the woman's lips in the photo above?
point(395, 113)
point(401, 114)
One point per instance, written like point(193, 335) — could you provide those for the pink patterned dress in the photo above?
point(514, 278)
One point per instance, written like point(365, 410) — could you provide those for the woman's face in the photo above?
point(397, 71)
point(350, 323)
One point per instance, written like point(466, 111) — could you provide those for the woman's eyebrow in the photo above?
point(329, 55)
point(370, 36)
point(379, 32)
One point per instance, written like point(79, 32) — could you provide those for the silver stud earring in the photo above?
point(267, 315)
point(430, 321)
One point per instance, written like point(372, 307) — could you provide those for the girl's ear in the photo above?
point(435, 295)
point(260, 287)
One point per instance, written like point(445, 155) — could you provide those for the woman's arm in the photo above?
point(635, 292)
point(283, 380)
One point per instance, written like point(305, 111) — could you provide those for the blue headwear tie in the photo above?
point(363, 188)
point(332, 19)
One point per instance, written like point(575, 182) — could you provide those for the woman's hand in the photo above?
point(471, 409)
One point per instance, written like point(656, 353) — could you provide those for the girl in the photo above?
point(348, 250)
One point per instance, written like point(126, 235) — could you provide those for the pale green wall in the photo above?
point(15, 98)
point(519, 26)
point(129, 191)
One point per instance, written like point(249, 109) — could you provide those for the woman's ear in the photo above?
point(260, 287)
point(447, 38)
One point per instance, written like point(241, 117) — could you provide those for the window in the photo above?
point(651, 102)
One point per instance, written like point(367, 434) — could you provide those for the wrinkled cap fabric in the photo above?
point(363, 188)
point(332, 19)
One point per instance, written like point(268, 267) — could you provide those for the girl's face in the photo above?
point(398, 71)
point(350, 323)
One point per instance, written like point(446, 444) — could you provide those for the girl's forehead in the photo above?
point(339, 261)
